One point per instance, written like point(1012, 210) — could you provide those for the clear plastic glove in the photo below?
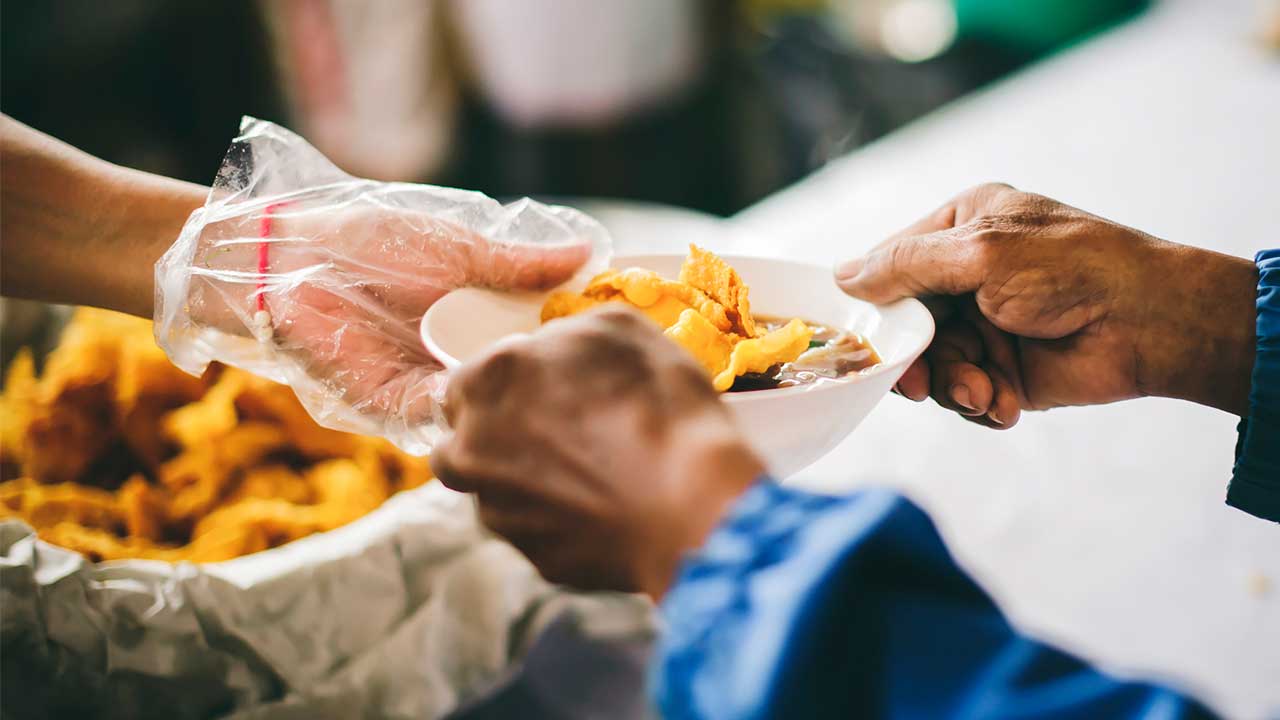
point(301, 273)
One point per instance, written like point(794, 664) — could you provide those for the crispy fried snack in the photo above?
point(707, 312)
point(707, 272)
point(758, 354)
point(115, 453)
point(659, 298)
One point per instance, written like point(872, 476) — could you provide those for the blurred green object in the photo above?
point(1040, 26)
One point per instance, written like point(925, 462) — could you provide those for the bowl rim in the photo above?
point(450, 362)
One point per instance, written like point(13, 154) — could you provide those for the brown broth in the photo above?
point(832, 353)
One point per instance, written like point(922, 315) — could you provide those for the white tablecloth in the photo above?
point(1104, 528)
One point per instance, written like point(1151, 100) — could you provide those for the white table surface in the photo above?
point(1104, 528)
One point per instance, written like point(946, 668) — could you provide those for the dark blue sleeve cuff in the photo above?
point(1255, 484)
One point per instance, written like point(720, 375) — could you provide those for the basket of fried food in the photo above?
point(111, 451)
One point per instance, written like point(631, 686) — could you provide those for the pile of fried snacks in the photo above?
point(706, 311)
point(115, 453)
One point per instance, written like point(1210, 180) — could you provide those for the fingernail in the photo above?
point(994, 417)
point(848, 270)
point(960, 394)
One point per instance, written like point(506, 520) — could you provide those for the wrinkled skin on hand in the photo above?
point(597, 447)
point(1041, 305)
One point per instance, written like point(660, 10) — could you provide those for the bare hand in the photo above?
point(596, 447)
point(1041, 305)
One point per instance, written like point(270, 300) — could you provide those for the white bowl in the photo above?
point(790, 427)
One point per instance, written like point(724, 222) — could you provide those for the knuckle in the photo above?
point(617, 317)
point(995, 189)
point(901, 255)
point(613, 345)
point(461, 463)
point(987, 233)
point(984, 193)
point(449, 470)
point(945, 216)
point(501, 367)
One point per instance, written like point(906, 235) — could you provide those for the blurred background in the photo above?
point(712, 105)
point(705, 104)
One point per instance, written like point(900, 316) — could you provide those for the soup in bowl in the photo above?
point(792, 415)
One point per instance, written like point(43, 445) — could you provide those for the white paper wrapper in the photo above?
point(404, 613)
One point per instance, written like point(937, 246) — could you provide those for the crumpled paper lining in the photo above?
point(406, 612)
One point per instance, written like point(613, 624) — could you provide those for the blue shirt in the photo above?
point(808, 606)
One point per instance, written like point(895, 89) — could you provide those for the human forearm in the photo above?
point(1199, 341)
point(78, 230)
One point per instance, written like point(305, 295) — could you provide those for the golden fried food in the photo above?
point(756, 355)
point(115, 453)
point(563, 303)
point(19, 392)
point(707, 312)
point(659, 298)
point(710, 347)
point(710, 274)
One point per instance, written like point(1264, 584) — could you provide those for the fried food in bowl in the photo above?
point(800, 363)
point(115, 453)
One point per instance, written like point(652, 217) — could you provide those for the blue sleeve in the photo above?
point(1255, 485)
point(807, 606)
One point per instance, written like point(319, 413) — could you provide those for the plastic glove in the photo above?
point(303, 274)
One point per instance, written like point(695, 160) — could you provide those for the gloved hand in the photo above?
point(301, 273)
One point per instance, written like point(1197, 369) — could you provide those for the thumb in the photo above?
point(524, 266)
point(930, 257)
point(941, 263)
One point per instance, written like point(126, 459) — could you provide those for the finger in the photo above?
point(519, 516)
point(962, 387)
point(956, 381)
point(344, 338)
point(957, 340)
point(451, 407)
point(489, 472)
point(447, 470)
point(411, 398)
point(914, 383)
point(492, 445)
point(1002, 353)
point(1005, 410)
point(507, 374)
point(410, 260)
point(941, 263)
point(929, 257)
point(525, 266)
